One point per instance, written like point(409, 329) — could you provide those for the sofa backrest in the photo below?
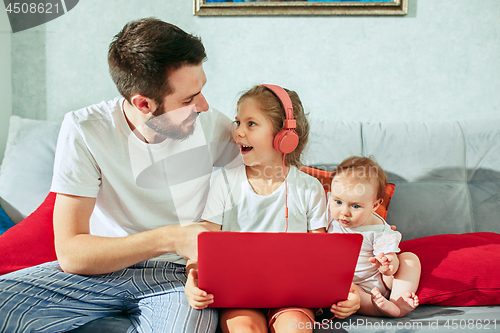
point(447, 174)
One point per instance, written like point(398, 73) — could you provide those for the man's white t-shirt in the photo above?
point(234, 204)
point(138, 186)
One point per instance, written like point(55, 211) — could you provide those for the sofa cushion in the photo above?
point(30, 242)
point(383, 209)
point(458, 270)
point(26, 171)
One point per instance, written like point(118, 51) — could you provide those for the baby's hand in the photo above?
point(383, 264)
point(197, 298)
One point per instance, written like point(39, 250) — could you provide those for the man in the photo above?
point(132, 175)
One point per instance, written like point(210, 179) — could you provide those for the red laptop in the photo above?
point(272, 270)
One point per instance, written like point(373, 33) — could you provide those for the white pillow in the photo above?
point(26, 170)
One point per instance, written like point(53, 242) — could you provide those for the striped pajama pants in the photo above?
point(151, 294)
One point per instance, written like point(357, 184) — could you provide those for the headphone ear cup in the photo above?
point(286, 141)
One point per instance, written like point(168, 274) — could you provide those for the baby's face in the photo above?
point(352, 200)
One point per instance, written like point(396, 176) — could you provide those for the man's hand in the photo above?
point(186, 244)
point(197, 298)
point(344, 309)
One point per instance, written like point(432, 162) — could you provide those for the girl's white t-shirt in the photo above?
point(234, 204)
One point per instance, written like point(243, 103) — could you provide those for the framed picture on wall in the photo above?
point(299, 7)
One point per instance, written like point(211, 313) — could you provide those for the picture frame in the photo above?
point(299, 7)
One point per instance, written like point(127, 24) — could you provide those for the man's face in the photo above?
point(175, 117)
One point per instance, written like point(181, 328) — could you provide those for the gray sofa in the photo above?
point(447, 177)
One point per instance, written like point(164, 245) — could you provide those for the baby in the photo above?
point(358, 185)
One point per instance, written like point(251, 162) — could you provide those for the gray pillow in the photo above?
point(27, 166)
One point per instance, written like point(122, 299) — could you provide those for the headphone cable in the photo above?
point(286, 195)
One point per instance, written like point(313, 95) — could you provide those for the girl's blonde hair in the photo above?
point(271, 106)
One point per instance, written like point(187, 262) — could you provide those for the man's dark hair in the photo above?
point(145, 52)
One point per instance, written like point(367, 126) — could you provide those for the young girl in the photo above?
point(252, 198)
point(357, 189)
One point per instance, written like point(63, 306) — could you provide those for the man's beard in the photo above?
point(161, 124)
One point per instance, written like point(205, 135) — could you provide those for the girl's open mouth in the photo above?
point(245, 149)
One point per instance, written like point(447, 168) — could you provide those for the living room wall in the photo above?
point(439, 62)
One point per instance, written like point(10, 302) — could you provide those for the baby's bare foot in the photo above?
point(385, 306)
point(394, 308)
point(407, 303)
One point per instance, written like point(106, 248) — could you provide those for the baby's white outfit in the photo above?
point(376, 239)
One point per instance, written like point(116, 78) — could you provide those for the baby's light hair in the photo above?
point(272, 108)
point(363, 168)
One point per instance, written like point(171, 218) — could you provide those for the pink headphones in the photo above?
point(287, 139)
